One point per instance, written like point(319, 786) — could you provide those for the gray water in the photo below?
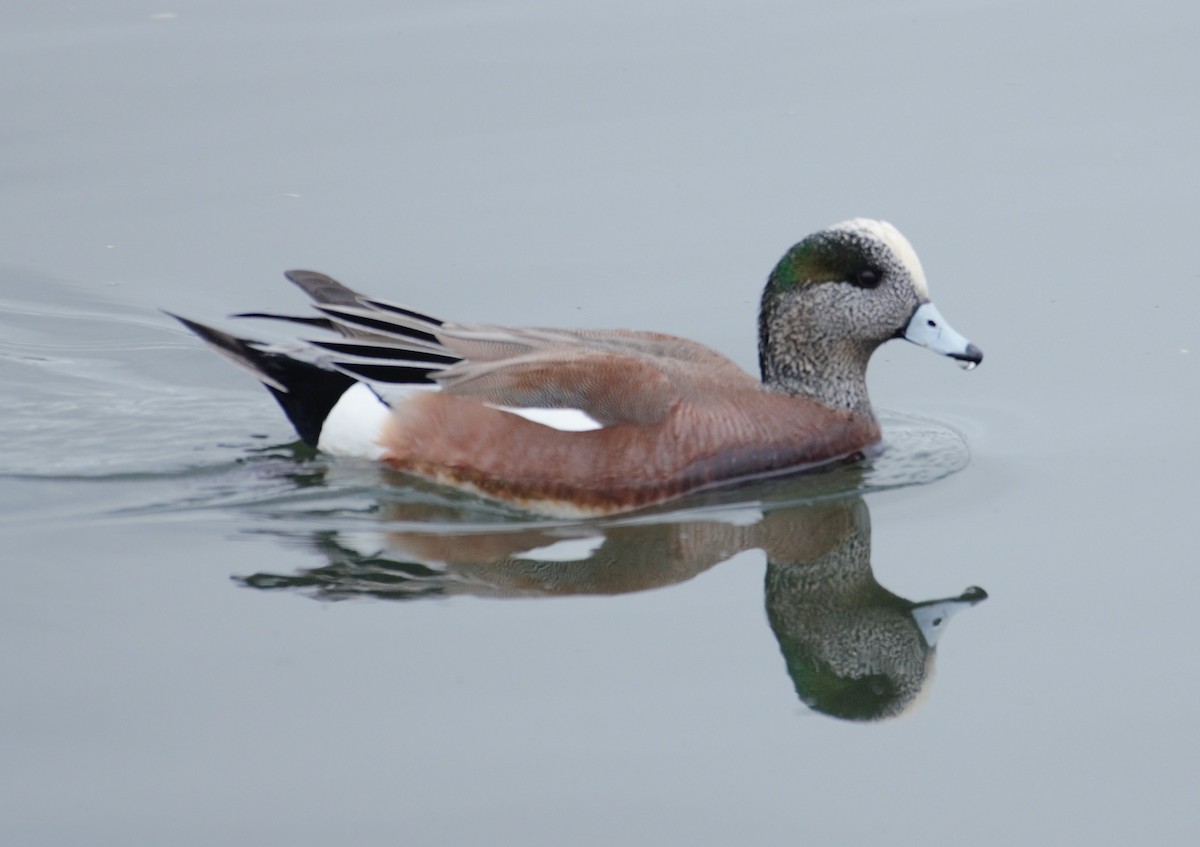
point(202, 638)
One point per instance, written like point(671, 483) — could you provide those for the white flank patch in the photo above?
point(354, 424)
point(567, 550)
point(893, 238)
point(566, 420)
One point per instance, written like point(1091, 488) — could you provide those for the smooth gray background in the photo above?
point(623, 164)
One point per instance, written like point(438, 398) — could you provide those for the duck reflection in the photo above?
point(853, 649)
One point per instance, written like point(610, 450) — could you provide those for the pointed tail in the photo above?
point(306, 391)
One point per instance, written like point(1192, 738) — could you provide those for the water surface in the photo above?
point(201, 636)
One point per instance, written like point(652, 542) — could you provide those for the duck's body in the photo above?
point(689, 445)
point(596, 422)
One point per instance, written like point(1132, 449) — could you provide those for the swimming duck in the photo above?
point(578, 423)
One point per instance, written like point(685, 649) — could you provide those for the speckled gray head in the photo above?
point(926, 327)
point(876, 233)
point(834, 298)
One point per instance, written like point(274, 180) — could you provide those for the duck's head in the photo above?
point(840, 293)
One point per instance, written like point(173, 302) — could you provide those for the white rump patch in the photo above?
point(565, 420)
point(394, 394)
point(567, 550)
point(354, 424)
point(894, 239)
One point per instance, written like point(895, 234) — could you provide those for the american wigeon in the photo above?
point(594, 422)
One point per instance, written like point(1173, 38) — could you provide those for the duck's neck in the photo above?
point(834, 374)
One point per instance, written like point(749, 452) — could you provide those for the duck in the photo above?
point(579, 423)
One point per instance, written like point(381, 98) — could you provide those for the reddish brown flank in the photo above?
point(746, 433)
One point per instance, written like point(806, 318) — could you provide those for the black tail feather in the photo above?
point(384, 327)
point(380, 350)
point(401, 374)
point(319, 323)
point(385, 306)
point(306, 391)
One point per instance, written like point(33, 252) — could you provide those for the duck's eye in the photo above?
point(866, 278)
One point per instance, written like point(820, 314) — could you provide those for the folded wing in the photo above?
point(613, 376)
